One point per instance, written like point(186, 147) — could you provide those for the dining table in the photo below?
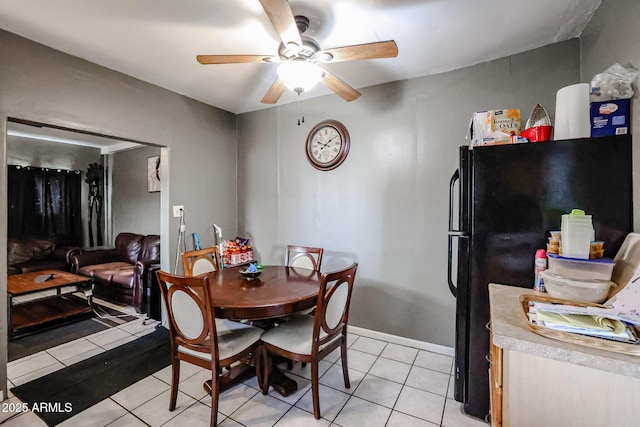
point(278, 292)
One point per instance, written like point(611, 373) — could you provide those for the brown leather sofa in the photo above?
point(28, 254)
point(120, 274)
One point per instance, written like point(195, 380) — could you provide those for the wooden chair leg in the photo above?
point(345, 367)
point(289, 364)
point(315, 392)
point(175, 380)
point(267, 363)
point(258, 363)
point(215, 396)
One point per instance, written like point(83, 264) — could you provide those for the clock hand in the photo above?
point(327, 143)
point(323, 144)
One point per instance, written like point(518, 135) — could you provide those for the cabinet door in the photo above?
point(495, 381)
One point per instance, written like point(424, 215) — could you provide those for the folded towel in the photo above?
point(601, 323)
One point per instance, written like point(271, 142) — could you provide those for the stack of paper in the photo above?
point(631, 316)
point(591, 321)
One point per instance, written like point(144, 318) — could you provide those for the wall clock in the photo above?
point(328, 145)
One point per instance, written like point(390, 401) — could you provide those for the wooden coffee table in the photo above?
point(37, 313)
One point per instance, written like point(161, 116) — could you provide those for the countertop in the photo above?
point(510, 332)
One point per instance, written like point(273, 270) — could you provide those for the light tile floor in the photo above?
point(391, 385)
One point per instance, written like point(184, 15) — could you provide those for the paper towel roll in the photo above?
point(572, 112)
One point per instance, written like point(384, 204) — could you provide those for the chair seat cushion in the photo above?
point(294, 335)
point(233, 338)
point(117, 273)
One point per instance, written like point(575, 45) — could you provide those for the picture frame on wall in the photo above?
point(153, 174)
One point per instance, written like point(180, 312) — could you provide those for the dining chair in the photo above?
point(197, 338)
point(200, 261)
point(309, 339)
point(304, 257)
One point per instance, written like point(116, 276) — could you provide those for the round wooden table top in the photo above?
point(278, 292)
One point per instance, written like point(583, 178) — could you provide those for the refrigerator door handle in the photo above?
point(452, 233)
point(456, 233)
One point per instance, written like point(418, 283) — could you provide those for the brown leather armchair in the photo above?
point(120, 274)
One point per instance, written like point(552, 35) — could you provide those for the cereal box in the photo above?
point(495, 127)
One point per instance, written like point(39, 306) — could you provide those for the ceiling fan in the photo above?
point(300, 56)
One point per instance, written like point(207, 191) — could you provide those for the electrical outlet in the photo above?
point(176, 210)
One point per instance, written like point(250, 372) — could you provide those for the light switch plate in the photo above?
point(176, 210)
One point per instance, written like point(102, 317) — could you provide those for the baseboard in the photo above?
point(421, 345)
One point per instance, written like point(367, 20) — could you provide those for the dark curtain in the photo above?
point(45, 203)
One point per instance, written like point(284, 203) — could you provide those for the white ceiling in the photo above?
point(157, 40)
point(19, 132)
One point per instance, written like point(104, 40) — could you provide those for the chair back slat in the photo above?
point(304, 257)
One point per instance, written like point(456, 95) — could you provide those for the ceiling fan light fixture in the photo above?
point(299, 75)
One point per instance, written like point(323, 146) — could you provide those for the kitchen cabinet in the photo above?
point(539, 381)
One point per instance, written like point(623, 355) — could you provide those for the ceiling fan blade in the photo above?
point(233, 59)
point(386, 49)
point(281, 16)
point(274, 93)
point(339, 87)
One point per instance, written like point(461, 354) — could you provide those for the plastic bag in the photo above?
point(614, 83)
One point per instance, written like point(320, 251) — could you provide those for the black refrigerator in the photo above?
point(503, 202)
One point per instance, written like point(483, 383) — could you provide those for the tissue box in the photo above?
point(495, 127)
point(610, 117)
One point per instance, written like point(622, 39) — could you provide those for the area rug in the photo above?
point(69, 391)
point(46, 339)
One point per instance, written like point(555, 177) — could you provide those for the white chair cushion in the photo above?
point(233, 338)
point(201, 266)
point(295, 335)
point(336, 305)
point(302, 261)
point(187, 314)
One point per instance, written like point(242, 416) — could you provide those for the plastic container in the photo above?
point(579, 290)
point(577, 234)
point(598, 269)
point(537, 133)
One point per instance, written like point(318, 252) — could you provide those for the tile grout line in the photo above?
point(334, 364)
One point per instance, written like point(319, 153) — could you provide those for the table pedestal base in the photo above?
point(237, 374)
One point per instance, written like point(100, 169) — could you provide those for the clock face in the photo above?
point(327, 145)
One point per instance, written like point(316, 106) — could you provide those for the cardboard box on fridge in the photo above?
point(495, 127)
point(610, 117)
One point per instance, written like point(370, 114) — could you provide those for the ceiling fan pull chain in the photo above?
point(300, 115)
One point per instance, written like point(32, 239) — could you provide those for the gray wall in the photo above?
point(44, 85)
point(31, 152)
point(134, 209)
point(613, 36)
point(387, 205)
